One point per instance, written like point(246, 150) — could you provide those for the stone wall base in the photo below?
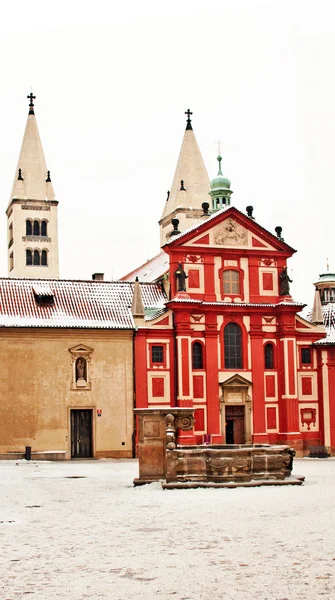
point(46, 455)
point(230, 484)
point(56, 455)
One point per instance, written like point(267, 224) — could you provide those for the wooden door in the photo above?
point(81, 433)
point(234, 424)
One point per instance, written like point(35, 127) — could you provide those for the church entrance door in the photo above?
point(81, 433)
point(235, 425)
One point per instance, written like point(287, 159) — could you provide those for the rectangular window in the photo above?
point(231, 282)
point(306, 356)
point(157, 354)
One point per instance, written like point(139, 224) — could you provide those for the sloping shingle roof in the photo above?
point(77, 304)
point(152, 270)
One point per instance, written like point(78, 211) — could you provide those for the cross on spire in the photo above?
point(188, 122)
point(31, 103)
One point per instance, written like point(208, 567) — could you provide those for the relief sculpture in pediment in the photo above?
point(230, 233)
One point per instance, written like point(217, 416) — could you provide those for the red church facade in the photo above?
point(230, 342)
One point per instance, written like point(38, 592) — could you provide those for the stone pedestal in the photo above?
point(157, 429)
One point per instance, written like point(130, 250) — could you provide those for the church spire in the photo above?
point(31, 165)
point(32, 210)
point(185, 199)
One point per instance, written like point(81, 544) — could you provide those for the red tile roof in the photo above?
point(76, 304)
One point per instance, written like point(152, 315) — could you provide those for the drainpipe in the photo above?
point(175, 369)
point(133, 440)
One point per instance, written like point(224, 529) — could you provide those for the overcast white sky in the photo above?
point(112, 81)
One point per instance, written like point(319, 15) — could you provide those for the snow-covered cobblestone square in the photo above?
point(77, 530)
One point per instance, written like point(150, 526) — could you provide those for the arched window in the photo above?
point(231, 282)
point(44, 228)
point(44, 258)
point(197, 356)
point(36, 257)
point(36, 228)
point(29, 257)
point(233, 346)
point(29, 228)
point(268, 356)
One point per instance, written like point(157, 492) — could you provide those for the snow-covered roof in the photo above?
point(328, 313)
point(76, 304)
point(150, 271)
point(237, 304)
point(157, 313)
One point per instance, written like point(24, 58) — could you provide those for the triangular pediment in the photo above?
point(236, 381)
point(81, 348)
point(304, 325)
point(229, 228)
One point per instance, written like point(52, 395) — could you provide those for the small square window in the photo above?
point(306, 356)
point(157, 354)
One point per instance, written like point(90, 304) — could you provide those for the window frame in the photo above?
point(30, 226)
point(29, 262)
point(36, 224)
point(35, 254)
point(44, 224)
point(302, 363)
point(239, 364)
point(241, 281)
point(272, 346)
point(44, 253)
point(157, 364)
point(200, 345)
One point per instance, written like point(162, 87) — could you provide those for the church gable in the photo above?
point(230, 228)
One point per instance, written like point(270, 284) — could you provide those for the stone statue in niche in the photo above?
point(81, 371)
point(284, 279)
point(180, 279)
point(230, 233)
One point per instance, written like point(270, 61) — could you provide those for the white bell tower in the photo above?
point(32, 211)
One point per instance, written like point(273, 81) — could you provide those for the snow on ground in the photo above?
point(78, 530)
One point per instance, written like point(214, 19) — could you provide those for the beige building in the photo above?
point(32, 211)
point(67, 386)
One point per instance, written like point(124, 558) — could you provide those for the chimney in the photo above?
point(98, 276)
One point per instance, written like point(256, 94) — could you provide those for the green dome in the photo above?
point(326, 277)
point(220, 182)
